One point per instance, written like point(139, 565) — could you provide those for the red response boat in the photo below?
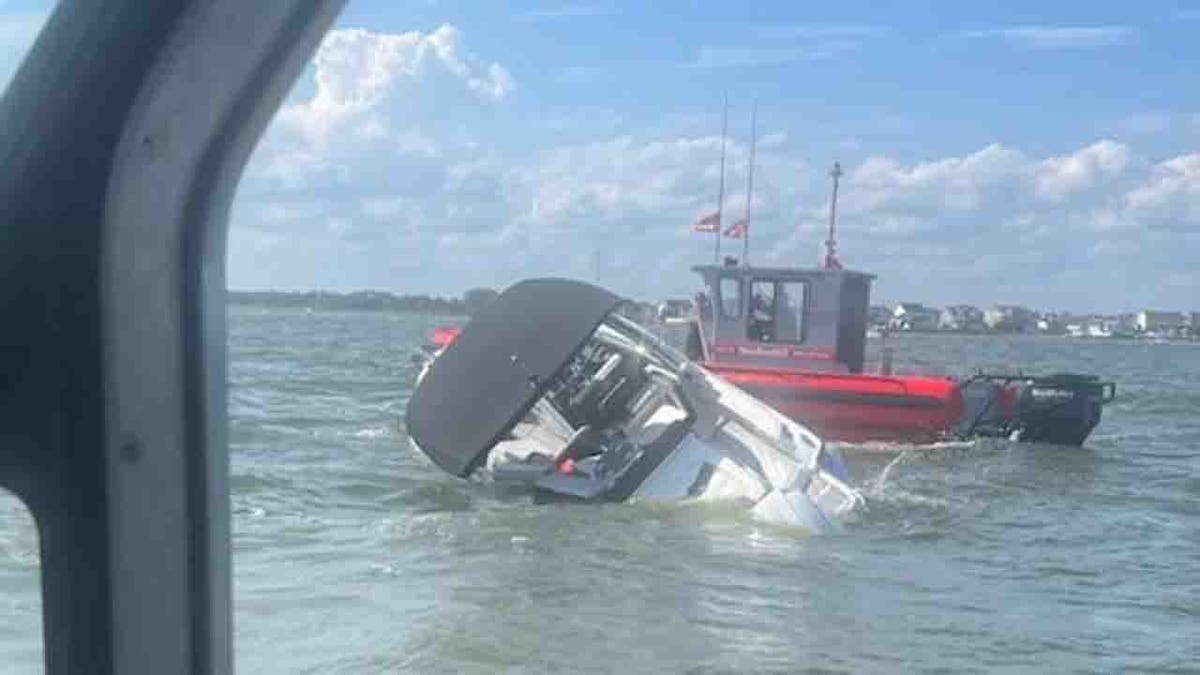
point(796, 339)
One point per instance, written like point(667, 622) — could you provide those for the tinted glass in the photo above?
point(761, 326)
point(789, 311)
point(731, 297)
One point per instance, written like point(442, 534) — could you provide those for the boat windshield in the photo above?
point(622, 381)
point(620, 330)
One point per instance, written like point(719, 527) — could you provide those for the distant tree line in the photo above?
point(470, 302)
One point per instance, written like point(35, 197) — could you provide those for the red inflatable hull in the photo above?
point(855, 408)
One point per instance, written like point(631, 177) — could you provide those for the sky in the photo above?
point(1046, 154)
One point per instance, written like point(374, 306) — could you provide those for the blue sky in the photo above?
point(1040, 153)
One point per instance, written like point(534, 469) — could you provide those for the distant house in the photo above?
point(914, 316)
point(1125, 325)
point(1010, 319)
point(1158, 322)
point(879, 316)
point(1101, 326)
point(1052, 323)
point(640, 312)
point(967, 318)
point(673, 308)
point(1074, 325)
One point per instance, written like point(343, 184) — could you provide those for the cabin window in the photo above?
point(761, 326)
point(790, 300)
point(731, 297)
point(776, 311)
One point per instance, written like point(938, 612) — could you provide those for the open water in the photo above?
point(353, 554)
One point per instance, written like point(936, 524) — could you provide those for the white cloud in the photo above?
point(385, 114)
point(662, 183)
point(1100, 187)
point(357, 71)
point(384, 146)
point(1170, 196)
point(820, 30)
point(999, 224)
point(782, 44)
point(773, 139)
point(882, 185)
point(565, 11)
point(1057, 178)
point(712, 57)
point(1060, 37)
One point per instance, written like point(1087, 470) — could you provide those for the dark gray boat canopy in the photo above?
point(485, 382)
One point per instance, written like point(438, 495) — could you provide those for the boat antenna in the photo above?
point(717, 300)
point(721, 188)
point(831, 258)
point(745, 229)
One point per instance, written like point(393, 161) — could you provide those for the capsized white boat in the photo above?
point(550, 389)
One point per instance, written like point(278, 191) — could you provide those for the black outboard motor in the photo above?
point(1061, 409)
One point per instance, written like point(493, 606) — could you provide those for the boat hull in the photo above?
point(855, 408)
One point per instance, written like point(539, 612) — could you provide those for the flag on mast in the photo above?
point(739, 229)
point(708, 223)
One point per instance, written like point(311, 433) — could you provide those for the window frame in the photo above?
point(804, 308)
point(741, 297)
point(117, 440)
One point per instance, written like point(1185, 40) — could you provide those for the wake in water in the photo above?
point(904, 453)
point(905, 488)
point(889, 447)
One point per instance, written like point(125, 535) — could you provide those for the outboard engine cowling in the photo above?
point(1060, 409)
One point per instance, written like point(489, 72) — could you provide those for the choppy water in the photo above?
point(353, 554)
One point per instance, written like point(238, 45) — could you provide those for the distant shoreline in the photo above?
point(372, 301)
point(473, 300)
point(878, 336)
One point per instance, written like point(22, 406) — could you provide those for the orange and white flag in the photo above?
point(738, 229)
point(708, 223)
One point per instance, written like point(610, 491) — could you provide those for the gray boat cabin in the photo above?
point(781, 318)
